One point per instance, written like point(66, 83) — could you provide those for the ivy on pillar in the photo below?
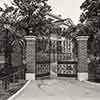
point(30, 57)
point(82, 58)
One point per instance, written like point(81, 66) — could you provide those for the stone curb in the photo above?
point(92, 83)
point(13, 96)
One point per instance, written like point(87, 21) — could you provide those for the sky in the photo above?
point(65, 8)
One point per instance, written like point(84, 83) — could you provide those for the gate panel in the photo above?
point(97, 70)
point(67, 65)
point(66, 68)
point(42, 59)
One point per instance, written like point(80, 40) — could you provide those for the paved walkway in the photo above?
point(69, 89)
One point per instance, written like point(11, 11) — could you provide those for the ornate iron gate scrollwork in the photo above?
point(67, 64)
point(42, 68)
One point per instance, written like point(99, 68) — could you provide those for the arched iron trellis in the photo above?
point(20, 41)
point(17, 49)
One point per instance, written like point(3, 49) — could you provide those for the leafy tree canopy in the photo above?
point(91, 15)
point(26, 17)
point(90, 19)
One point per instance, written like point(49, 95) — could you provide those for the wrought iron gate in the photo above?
point(42, 69)
point(97, 76)
point(67, 65)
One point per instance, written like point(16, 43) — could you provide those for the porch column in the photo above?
point(82, 58)
point(30, 57)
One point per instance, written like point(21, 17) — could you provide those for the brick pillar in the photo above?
point(82, 58)
point(2, 60)
point(30, 57)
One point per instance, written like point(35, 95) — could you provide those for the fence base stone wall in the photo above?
point(82, 76)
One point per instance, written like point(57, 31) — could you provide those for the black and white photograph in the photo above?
point(49, 49)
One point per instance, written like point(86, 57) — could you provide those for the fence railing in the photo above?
point(18, 73)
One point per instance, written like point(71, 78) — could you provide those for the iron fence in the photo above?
point(15, 74)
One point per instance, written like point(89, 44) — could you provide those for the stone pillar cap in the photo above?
point(82, 37)
point(30, 37)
